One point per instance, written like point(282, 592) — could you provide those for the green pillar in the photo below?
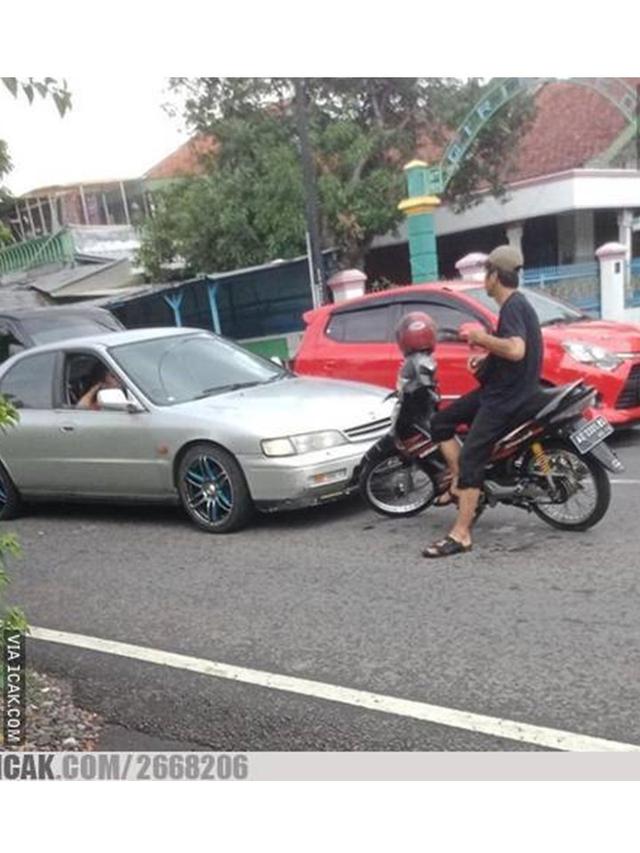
point(419, 207)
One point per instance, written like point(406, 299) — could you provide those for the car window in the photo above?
point(28, 385)
point(9, 345)
point(548, 309)
point(448, 318)
point(372, 325)
point(84, 373)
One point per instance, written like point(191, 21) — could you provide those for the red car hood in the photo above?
point(616, 337)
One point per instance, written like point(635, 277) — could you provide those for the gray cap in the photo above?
point(506, 258)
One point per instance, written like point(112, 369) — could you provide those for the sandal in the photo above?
point(450, 499)
point(445, 548)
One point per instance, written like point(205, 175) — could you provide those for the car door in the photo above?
point(359, 344)
point(107, 453)
point(31, 449)
point(452, 353)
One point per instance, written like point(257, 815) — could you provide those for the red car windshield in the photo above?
point(549, 310)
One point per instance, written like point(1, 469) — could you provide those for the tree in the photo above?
point(248, 208)
point(29, 87)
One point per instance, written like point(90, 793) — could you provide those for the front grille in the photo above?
point(370, 430)
point(630, 394)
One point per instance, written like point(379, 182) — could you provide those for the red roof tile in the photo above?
point(186, 160)
point(573, 124)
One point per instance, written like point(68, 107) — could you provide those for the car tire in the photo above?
point(9, 496)
point(213, 489)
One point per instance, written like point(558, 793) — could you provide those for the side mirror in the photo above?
point(115, 400)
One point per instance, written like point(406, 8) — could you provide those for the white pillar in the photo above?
point(53, 210)
point(348, 284)
point(514, 235)
point(612, 257)
point(625, 230)
point(575, 237)
point(471, 267)
point(125, 203)
point(83, 201)
point(566, 228)
point(585, 236)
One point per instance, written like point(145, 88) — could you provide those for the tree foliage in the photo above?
point(249, 206)
point(48, 87)
point(29, 87)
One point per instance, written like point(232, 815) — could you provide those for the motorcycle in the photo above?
point(553, 462)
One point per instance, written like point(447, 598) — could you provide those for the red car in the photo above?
point(355, 340)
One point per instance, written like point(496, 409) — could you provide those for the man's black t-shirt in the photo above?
point(507, 385)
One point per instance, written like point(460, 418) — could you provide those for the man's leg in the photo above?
point(443, 427)
point(485, 430)
point(467, 505)
point(451, 451)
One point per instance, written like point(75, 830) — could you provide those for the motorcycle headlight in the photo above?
point(592, 354)
point(305, 443)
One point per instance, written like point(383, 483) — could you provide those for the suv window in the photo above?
point(52, 328)
point(362, 325)
point(448, 318)
point(29, 384)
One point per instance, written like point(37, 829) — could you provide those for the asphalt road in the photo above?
point(534, 625)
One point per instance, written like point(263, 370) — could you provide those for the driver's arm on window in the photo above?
point(89, 398)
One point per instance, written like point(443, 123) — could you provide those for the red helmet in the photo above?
point(416, 332)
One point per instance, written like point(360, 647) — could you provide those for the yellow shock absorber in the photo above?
point(541, 458)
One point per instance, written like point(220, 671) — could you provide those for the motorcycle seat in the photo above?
point(548, 399)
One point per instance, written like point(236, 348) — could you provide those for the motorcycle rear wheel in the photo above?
point(590, 503)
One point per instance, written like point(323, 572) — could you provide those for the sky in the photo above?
point(115, 129)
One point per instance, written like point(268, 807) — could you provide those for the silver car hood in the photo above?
point(295, 405)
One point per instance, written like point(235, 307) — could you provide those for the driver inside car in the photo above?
point(100, 378)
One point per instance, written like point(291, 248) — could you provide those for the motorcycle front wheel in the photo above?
point(583, 487)
point(395, 486)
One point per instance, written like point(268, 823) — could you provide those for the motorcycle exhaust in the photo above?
point(496, 493)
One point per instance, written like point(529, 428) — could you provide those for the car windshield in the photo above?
point(549, 310)
point(48, 330)
point(177, 369)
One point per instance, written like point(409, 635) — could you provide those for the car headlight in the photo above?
point(305, 443)
point(596, 355)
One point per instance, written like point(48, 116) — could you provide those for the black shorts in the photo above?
point(487, 426)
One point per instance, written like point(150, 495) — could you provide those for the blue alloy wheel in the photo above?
point(209, 488)
point(213, 489)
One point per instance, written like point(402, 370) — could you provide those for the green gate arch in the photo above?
point(425, 183)
point(616, 90)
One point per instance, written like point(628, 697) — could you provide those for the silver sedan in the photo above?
point(180, 415)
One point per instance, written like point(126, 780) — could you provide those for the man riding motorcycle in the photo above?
point(509, 378)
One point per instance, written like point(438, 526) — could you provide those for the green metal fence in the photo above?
point(578, 284)
point(632, 285)
point(50, 249)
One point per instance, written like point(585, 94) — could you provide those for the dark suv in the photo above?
point(24, 328)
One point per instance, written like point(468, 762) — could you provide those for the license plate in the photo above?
point(590, 434)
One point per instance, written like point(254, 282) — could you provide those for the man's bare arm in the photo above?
point(513, 349)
